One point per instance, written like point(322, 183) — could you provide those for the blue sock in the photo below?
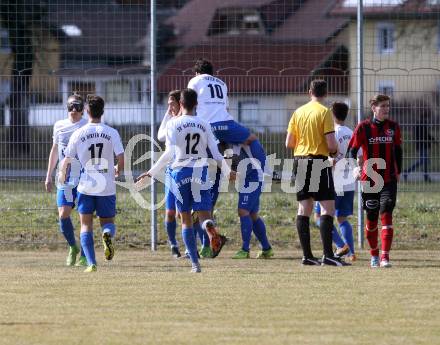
point(109, 227)
point(260, 233)
point(347, 234)
point(190, 242)
point(66, 228)
point(88, 246)
point(318, 222)
point(171, 231)
point(337, 239)
point(203, 235)
point(246, 232)
point(198, 231)
point(258, 152)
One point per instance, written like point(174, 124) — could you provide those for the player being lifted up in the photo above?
point(66, 192)
point(379, 138)
point(95, 145)
point(188, 140)
point(212, 107)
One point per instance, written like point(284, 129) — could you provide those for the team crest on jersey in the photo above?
point(389, 132)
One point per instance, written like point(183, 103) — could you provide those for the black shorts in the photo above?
point(384, 201)
point(318, 185)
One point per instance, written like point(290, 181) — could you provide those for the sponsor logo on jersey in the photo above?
point(381, 140)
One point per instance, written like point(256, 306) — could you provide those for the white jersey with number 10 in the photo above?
point(212, 98)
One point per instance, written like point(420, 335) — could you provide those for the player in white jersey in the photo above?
point(212, 107)
point(170, 201)
point(95, 145)
point(345, 197)
point(66, 193)
point(188, 140)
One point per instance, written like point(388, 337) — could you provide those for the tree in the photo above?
point(20, 17)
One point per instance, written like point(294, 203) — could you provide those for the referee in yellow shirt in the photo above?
point(311, 136)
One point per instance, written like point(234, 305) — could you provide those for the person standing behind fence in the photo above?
point(311, 135)
point(380, 140)
point(66, 192)
point(96, 144)
point(423, 141)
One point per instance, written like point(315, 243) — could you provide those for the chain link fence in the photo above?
point(266, 51)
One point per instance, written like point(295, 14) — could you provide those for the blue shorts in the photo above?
point(230, 132)
point(66, 197)
point(170, 199)
point(343, 205)
point(250, 201)
point(105, 206)
point(193, 195)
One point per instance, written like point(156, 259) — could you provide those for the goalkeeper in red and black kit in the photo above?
point(379, 138)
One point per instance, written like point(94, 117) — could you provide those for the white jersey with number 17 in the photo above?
point(95, 144)
point(212, 98)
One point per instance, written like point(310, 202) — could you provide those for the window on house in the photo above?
point(438, 36)
point(116, 91)
point(82, 87)
point(4, 41)
point(234, 21)
point(386, 88)
point(248, 113)
point(385, 38)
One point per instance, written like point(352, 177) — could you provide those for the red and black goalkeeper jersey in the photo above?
point(378, 140)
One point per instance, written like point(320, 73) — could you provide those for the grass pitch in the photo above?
point(150, 298)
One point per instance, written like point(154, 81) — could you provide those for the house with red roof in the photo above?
point(266, 51)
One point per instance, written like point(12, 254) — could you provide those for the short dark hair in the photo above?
point(318, 87)
point(203, 66)
point(188, 99)
point(75, 102)
point(379, 98)
point(96, 106)
point(175, 94)
point(340, 110)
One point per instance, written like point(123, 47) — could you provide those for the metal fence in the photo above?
point(266, 51)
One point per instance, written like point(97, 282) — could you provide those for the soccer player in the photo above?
point(379, 138)
point(66, 192)
point(344, 202)
point(251, 184)
point(188, 140)
point(170, 200)
point(212, 107)
point(311, 135)
point(95, 144)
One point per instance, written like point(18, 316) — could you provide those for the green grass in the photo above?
point(29, 217)
point(149, 298)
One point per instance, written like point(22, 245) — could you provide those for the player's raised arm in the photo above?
point(172, 111)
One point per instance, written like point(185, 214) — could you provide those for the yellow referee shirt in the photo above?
point(309, 124)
